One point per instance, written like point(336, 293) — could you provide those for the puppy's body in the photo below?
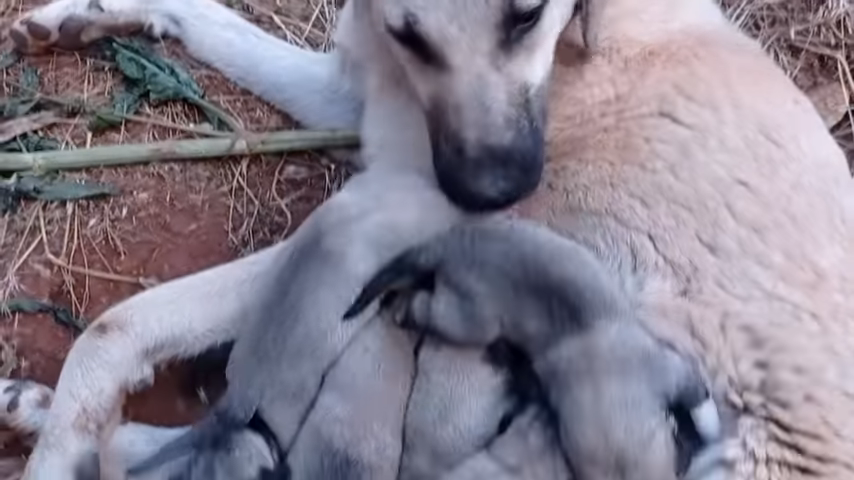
point(610, 382)
point(527, 450)
point(447, 420)
point(352, 431)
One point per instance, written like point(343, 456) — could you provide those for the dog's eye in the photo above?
point(525, 21)
point(519, 23)
point(411, 39)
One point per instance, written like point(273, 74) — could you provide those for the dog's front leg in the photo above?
point(119, 351)
point(299, 334)
point(320, 90)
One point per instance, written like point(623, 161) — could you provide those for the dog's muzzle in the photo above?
point(489, 177)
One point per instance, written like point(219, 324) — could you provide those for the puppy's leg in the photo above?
point(118, 352)
point(683, 385)
point(248, 452)
point(448, 312)
point(320, 90)
point(24, 405)
point(715, 462)
point(392, 206)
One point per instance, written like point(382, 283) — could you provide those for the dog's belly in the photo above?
point(760, 308)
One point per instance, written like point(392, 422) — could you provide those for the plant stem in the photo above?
point(172, 150)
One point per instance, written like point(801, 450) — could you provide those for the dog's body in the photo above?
point(673, 140)
point(610, 383)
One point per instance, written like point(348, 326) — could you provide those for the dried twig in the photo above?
point(113, 277)
point(26, 124)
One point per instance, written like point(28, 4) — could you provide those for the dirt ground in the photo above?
point(174, 219)
point(169, 220)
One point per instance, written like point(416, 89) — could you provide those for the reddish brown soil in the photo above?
point(178, 226)
point(174, 236)
point(169, 220)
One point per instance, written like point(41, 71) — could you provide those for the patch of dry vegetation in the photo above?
point(254, 188)
point(88, 254)
point(813, 40)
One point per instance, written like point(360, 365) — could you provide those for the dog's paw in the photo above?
point(74, 24)
point(24, 404)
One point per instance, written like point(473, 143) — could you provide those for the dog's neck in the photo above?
point(394, 129)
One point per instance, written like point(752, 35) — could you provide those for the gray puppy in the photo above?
point(527, 450)
point(292, 337)
point(610, 383)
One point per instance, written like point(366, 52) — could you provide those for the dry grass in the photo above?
point(813, 40)
point(76, 254)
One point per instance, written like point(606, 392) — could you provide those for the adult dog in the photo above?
point(679, 153)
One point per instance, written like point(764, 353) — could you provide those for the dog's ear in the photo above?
point(587, 33)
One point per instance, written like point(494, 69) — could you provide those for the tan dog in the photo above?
point(679, 153)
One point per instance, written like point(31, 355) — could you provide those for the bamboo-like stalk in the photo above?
point(173, 150)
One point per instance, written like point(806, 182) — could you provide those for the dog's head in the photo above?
point(480, 69)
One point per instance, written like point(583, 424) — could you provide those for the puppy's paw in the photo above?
point(407, 309)
point(716, 461)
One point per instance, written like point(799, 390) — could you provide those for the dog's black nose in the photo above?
point(489, 177)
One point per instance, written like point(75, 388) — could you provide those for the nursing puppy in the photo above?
point(608, 380)
point(527, 450)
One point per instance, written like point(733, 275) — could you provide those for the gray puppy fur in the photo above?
point(527, 450)
point(363, 398)
point(445, 422)
point(609, 381)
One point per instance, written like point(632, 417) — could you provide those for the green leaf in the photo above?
point(49, 188)
point(26, 102)
point(125, 102)
point(30, 80)
point(26, 99)
point(157, 78)
point(162, 79)
point(43, 188)
point(7, 59)
point(17, 107)
point(31, 142)
point(61, 315)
